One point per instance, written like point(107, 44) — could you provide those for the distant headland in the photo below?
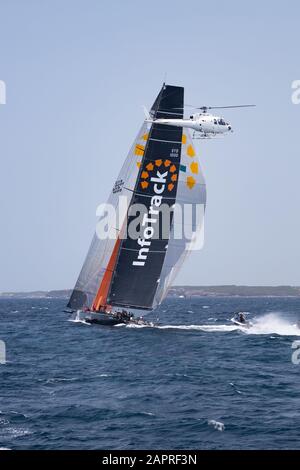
point(181, 291)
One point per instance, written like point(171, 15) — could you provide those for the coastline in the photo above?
point(180, 292)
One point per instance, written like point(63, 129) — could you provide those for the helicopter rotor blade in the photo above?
point(227, 107)
point(205, 108)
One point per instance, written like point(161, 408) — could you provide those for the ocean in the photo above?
point(196, 381)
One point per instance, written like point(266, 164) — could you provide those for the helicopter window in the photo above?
point(215, 121)
point(222, 122)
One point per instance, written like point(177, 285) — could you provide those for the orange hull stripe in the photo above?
point(101, 296)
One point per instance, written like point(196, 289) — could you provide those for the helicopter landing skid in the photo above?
point(201, 135)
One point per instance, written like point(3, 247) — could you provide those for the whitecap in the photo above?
point(134, 325)
point(216, 425)
point(76, 320)
point(60, 379)
point(273, 323)
point(17, 432)
point(12, 412)
point(235, 389)
point(4, 422)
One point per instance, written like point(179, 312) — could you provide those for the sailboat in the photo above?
point(125, 276)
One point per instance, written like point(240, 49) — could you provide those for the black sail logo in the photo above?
point(162, 176)
point(142, 252)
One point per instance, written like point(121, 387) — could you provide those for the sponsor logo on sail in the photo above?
point(159, 186)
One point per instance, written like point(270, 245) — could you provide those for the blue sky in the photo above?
point(77, 74)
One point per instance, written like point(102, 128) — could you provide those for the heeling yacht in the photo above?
point(125, 277)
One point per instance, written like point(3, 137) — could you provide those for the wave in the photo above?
point(273, 323)
point(7, 428)
point(77, 319)
point(232, 384)
point(216, 425)
point(80, 321)
point(4, 421)
point(58, 379)
point(17, 432)
point(12, 412)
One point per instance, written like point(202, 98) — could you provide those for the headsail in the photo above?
point(100, 251)
point(187, 232)
point(161, 170)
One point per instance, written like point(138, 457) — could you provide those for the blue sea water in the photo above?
point(195, 382)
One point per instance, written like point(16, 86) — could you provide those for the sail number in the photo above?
point(118, 186)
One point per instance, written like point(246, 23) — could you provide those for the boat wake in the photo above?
point(208, 328)
point(80, 321)
point(75, 318)
point(273, 323)
point(269, 324)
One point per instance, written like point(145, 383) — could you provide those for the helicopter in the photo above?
point(204, 124)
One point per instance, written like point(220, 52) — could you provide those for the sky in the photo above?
point(77, 74)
